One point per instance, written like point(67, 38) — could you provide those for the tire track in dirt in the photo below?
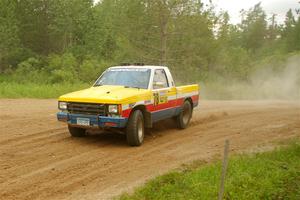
point(46, 163)
point(22, 139)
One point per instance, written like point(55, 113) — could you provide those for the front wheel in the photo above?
point(135, 129)
point(76, 132)
point(183, 119)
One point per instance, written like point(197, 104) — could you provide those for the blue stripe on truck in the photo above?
point(95, 121)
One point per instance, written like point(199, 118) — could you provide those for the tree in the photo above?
point(291, 32)
point(69, 23)
point(297, 35)
point(48, 26)
point(254, 28)
point(100, 38)
point(33, 17)
point(9, 40)
point(167, 32)
point(273, 29)
point(224, 26)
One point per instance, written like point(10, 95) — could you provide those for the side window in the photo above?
point(160, 79)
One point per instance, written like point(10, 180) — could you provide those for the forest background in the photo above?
point(50, 47)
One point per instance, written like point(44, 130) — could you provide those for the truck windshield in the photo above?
point(128, 77)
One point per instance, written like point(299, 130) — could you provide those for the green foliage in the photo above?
point(270, 175)
point(57, 69)
point(73, 41)
point(69, 23)
point(34, 90)
point(9, 41)
point(234, 62)
point(290, 31)
point(63, 68)
point(29, 71)
point(90, 70)
point(254, 28)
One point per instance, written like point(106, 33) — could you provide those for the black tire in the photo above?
point(76, 132)
point(183, 119)
point(135, 129)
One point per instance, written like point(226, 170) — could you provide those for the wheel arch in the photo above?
point(146, 114)
point(190, 100)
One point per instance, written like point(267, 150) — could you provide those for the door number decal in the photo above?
point(160, 98)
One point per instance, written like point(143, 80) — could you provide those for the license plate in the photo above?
point(83, 121)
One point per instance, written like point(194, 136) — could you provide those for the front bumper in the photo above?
point(95, 121)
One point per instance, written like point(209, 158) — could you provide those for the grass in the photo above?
point(269, 175)
point(33, 90)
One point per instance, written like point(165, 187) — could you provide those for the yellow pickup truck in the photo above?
point(130, 98)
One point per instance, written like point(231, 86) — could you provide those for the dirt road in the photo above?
point(39, 160)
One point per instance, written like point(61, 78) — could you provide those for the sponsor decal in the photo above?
point(160, 98)
point(163, 99)
point(156, 98)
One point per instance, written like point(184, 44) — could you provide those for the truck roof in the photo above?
point(142, 67)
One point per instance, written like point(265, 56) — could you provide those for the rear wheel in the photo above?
point(76, 132)
point(183, 119)
point(135, 129)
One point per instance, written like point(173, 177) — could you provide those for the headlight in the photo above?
point(62, 105)
point(113, 108)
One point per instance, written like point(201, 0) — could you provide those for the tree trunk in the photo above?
point(163, 33)
point(163, 44)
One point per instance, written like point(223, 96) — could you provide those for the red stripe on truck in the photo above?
point(169, 104)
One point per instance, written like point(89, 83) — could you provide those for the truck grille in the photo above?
point(86, 108)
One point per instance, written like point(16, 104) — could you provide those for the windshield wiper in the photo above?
point(126, 86)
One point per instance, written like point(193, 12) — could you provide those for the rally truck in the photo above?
point(130, 99)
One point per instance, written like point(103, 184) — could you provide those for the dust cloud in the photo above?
point(265, 83)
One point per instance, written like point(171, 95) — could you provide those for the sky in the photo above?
point(278, 7)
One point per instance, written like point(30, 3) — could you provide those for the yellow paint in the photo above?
point(110, 94)
point(187, 88)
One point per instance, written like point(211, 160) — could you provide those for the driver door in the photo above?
point(164, 96)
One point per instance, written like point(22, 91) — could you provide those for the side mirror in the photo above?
point(158, 84)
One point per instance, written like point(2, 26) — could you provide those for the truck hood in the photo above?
point(107, 94)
